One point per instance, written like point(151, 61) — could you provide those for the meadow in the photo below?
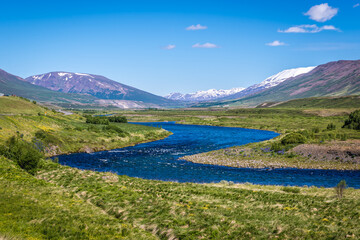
point(61, 133)
point(62, 202)
point(59, 202)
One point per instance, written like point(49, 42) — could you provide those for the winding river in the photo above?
point(159, 160)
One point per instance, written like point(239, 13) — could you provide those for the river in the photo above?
point(159, 160)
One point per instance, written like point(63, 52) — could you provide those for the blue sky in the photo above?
point(148, 44)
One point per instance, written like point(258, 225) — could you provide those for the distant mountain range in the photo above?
point(199, 96)
point(97, 86)
point(340, 78)
point(234, 93)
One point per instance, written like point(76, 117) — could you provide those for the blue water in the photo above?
point(159, 160)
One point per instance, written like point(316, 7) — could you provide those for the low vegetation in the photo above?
point(353, 122)
point(60, 134)
point(76, 204)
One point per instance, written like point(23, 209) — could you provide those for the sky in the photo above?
point(176, 46)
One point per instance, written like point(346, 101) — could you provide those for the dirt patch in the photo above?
point(343, 151)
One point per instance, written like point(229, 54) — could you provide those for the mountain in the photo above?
point(199, 96)
point(95, 85)
point(340, 78)
point(271, 81)
point(14, 85)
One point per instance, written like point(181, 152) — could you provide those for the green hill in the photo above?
point(317, 102)
point(17, 105)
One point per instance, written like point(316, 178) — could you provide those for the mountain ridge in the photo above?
point(337, 78)
point(95, 85)
point(206, 95)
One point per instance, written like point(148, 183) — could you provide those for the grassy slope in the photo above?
point(214, 211)
point(69, 133)
point(323, 102)
point(34, 209)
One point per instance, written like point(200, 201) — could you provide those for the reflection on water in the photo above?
point(159, 160)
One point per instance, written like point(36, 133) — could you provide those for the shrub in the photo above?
point(276, 146)
point(118, 119)
point(97, 120)
point(293, 138)
point(47, 138)
point(331, 126)
point(34, 102)
point(25, 154)
point(115, 129)
point(316, 130)
point(353, 122)
point(340, 189)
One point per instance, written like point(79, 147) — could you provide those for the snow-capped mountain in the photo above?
point(95, 85)
point(199, 96)
point(272, 81)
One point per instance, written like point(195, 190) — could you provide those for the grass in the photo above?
point(35, 209)
point(16, 105)
point(62, 202)
point(214, 211)
point(319, 102)
point(68, 134)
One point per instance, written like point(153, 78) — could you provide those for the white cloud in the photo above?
point(307, 28)
point(196, 27)
point(276, 43)
point(356, 5)
point(205, 45)
point(169, 47)
point(322, 12)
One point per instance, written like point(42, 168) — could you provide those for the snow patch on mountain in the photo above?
point(271, 81)
point(210, 94)
point(282, 76)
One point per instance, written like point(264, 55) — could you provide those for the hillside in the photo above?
point(65, 134)
point(341, 78)
point(17, 105)
point(317, 102)
point(95, 85)
point(14, 85)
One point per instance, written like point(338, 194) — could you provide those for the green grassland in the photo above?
point(35, 209)
point(67, 134)
point(318, 102)
point(62, 202)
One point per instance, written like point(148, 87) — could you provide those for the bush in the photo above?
point(25, 154)
point(34, 102)
point(115, 129)
point(47, 138)
point(118, 119)
point(276, 147)
point(353, 122)
point(97, 120)
point(331, 126)
point(293, 138)
point(340, 189)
